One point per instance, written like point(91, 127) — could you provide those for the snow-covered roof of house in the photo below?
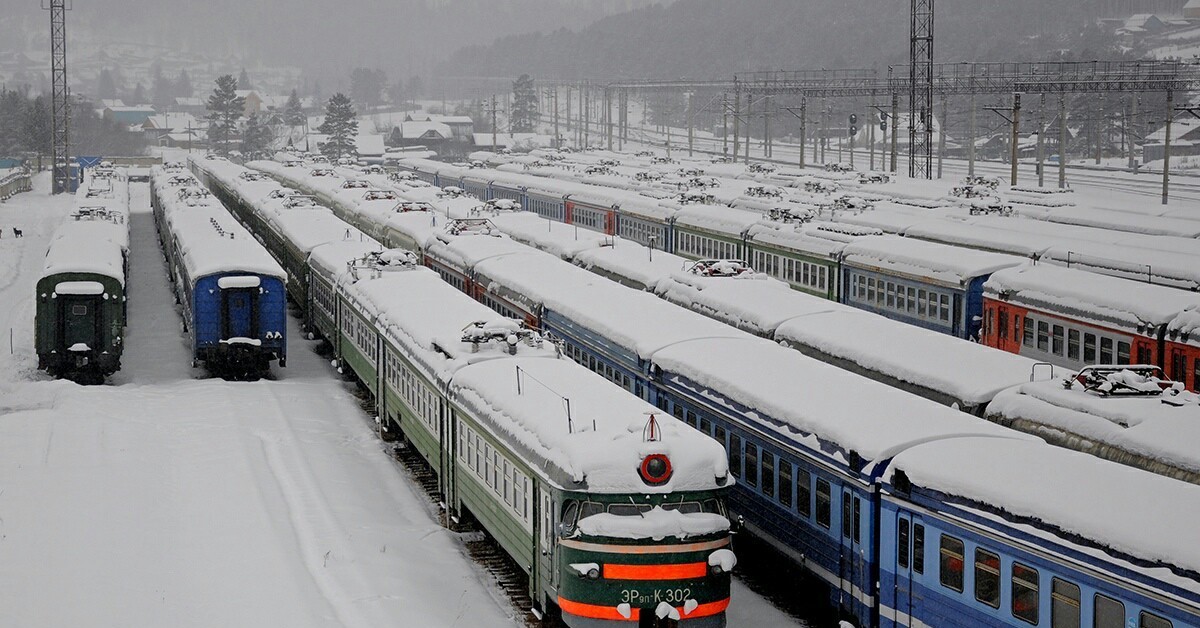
point(1069, 490)
point(369, 145)
point(106, 103)
point(172, 122)
point(422, 130)
point(1192, 4)
point(189, 101)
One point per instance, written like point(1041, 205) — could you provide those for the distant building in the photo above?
point(132, 116)
point(511, 141)
point(1191, 10)
point(431, 135)
point(370, 147)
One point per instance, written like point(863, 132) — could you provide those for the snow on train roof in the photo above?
point(822, 239)
point(717, 218)
point(308, 229)
point(756, 303)
point(929, 260)
point(1141, 424)
point(466, 251)
point(331, 257)
point(87, 246)
point(1099, 297)
point(557, 238)
point(631, 263)
point(1069, 490)
point(603, 305)
point(603, 446)
point(212, 242)
point(805, 395)
point(1117, 220)
point(911, 354)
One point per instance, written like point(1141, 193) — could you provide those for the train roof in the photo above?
point(557, 238)
point(603, 444)
point(1141, 424)
point(928, 260)
point(87, 246)
point(717, 218)
point(1091, 296)
point(638, 321)
point(211, 241)
point(1117, 220)
point(1056, 488)
point(794, 396)
point(466, 251)
point(309, 229)
point(331, 257)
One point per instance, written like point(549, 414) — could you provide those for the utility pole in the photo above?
point(691, 121)
point(1101, 130)
point(1041, 144)
point(895, 126)
point(803, 126)
point(493, 109)
point(749, 111)
point(971, 142)
point(871, 133)
point(568, 110)
point(1166, 177)
point(942, 135)
point(1016, 136)
point(557, 135)
point(725, 126)
point(608, 117)
point(1130, 135)
point(587, 115)
point(1062, 141)
point(920, 90)
point(60, 109)
point(737, 110)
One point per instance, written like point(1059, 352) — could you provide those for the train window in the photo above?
point(918, 560)
point(987, 578)
point(950, 567)
point(629, 510)
point(1043, 336)
point(1057, 340)
point(785, 482)
point(1089, 348)
point(1106, 350)
point(683, 415)
point(1073, 344)
point(1123, 353)
point(944, 301)
point(735, 454)
point(705, 425)
point(1025, 593)
point(721, 435)
point(590, 508)
point(1003, 328)
point(79, 310)
point(804, 493)
point(1178, 365)
point(768, 473)
point(902, 541)
point(912, 298)
point(857, 519)
point(871, 289)
point(846, 521)
point(1028, 340)
point(1195, 372)
point(570, 510)
point(1143, 353)
point(1107, 613)
point(922, 302)
point(1064, 604)
point(824, 505)
point(891, 295)
point(684, 507)
point(1150, 620)
point(751, 464)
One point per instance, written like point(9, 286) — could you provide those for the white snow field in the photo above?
point(169, 499)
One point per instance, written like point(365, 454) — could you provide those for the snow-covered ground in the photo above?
point(169, 499)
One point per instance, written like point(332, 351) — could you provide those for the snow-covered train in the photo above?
point(882, 495)
point(81, 294)
point(232, 293)
point(615, 509)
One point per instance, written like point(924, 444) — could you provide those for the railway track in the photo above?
point(481, 547)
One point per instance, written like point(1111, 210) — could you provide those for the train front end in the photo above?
point(645, 559)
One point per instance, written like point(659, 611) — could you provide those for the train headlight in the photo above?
point(655, 469)
point(593, 574)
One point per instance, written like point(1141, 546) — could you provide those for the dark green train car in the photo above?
point(80, 297)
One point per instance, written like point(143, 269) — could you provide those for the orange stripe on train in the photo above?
point(595, 611)
point(655, 572)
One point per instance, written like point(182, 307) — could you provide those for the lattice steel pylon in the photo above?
point(920, 91)
point(61, 96)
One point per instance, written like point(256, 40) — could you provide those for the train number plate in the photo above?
point(635, 597)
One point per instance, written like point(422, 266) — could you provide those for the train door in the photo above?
point(909, 554)
point(548, 542)
point(851, 569)
point(239, 313)
point(81, 324)
point(1177, 365)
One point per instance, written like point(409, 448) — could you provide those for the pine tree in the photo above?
point(139, 95)
point(341, 125)
point(38, 131)
point(183, 85)
point(225, 109)
point(294, 112)
point(257, 138)
point(524, 109)
point(106, 87)
point(162, 90)
point(243, 81)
